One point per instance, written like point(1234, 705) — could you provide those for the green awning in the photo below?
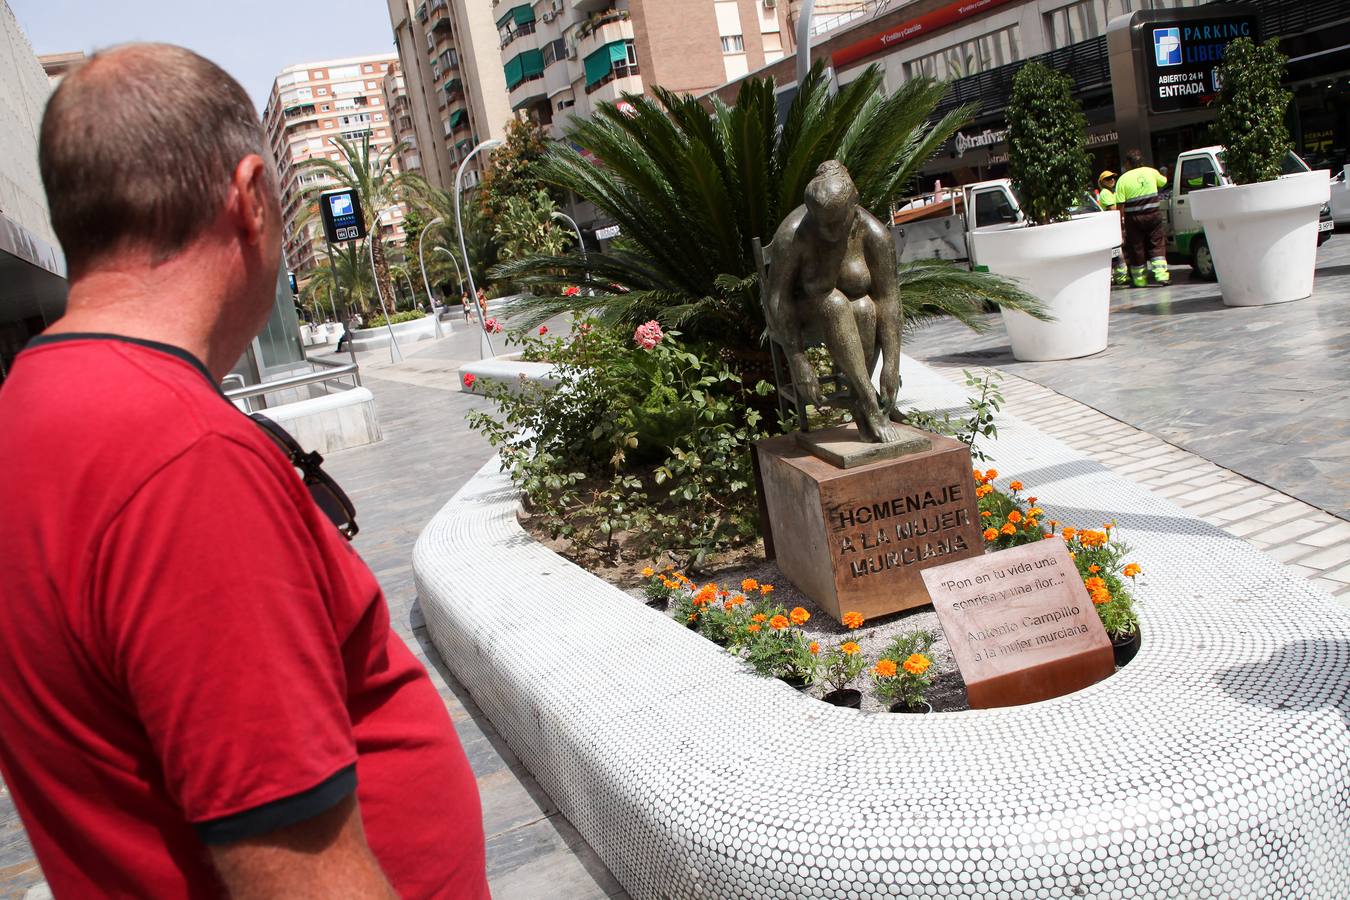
point(522, 66)
point(464, 144)
point(523, 14)
point(457, 117)
point(600, 63)
point(453, 85)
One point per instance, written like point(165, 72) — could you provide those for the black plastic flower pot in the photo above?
point(1125, 648)
point(902, 707)
point(658, 603)
point(796, 681)
point(846, 697)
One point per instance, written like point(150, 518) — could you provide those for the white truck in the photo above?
point(1202, 168)
point(938, 225)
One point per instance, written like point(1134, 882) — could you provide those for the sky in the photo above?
point(253, 40)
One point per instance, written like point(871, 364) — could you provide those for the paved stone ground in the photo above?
point(1263, 391)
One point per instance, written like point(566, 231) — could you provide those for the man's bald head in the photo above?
point(137, 150)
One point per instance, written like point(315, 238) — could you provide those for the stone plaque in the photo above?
point(856, 538)
point(1020, 624)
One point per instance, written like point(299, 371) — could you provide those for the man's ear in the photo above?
point(252, 191)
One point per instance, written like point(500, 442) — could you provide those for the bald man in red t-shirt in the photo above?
point(200, 692)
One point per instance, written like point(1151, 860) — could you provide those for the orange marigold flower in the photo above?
point(1100, 596)
point(917, 663)
point(991, 474)
point(1014, 517)
point(848, 648)
point(1032, 501)
point(1108, 526)
point(814, 648)
point(1008, 528)
point(1047, 536)
point(799, 616)
point(1015, 485)
point(778, 623)
point(758, 617)
point(979, 476)
point(1069, 533)
point(706, 595)
point(852, 620)
point(983, 490)
point(1030, 523)
point(736, 600)
point(749, 585)
point(1131, 570)
point(885, 668)
point(1094, 568)
point(766, 589)
point(753, 629)
point(991, 534)
point(693, 617)
point(648, 572)
point(1035, 510)
point(984, 514)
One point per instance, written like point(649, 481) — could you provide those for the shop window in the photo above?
point(1074, 23)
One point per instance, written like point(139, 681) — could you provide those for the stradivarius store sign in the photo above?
point(1184, 57)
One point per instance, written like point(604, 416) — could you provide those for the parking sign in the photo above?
point(342, 218)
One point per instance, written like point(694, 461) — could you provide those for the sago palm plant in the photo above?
point(691, 188)
point(370, 172)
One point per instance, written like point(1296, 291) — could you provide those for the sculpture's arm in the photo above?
point(880, 252)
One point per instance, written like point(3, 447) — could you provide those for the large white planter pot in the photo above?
point(1263, 236)
point(1067, 266)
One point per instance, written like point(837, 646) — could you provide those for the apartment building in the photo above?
point(401, 117)
point(56, 65)
point(562, 58)
point(311, 105)
point(456, 92)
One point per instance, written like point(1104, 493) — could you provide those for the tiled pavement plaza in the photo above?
point(1260, 393)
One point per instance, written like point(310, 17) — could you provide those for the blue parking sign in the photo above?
point(1167, 46)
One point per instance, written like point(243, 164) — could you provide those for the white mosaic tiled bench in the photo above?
point(1216, 765)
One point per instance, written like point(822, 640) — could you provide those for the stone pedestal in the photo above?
point(856, 538)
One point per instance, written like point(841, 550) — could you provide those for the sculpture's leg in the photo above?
point(851, 352)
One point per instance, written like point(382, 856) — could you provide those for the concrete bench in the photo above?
point(1216, 765)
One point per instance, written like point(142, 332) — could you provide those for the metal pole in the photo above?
point(581, 244)
point(332, 267)
point(421, 261)
point(485, 341)
point(804, 41)
point(395, 355)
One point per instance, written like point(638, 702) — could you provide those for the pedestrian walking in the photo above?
point(1106, 200)
point(482, 303)
point(346, 337)
point(464, 302)
point(196, 666)
point(1136, 192)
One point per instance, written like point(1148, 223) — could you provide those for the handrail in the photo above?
point(336, 370)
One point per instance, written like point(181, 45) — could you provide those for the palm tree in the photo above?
point(353, 288)
point(370, 173)
point(478, 236)
point(691, 189)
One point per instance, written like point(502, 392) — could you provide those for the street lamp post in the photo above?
point(485, 342)
point(581, 244)
point(395, 355)
point(804, 41)
point(421, 260)
point(459, 273)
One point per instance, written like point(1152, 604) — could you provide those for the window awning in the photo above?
point(522, 66)
point(453, 85)
point(463, 145)
point(521, 15)
point(457, 117)
point(601, 62)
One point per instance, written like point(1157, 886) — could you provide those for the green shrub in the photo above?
point(408, 316)
point(1251, 111)
point(1048, 160)
point(648, 442)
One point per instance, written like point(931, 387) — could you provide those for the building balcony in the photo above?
point(557, 78)
point(591, 6)
point(614, 87)
point(439, 14)
point(529, 92)
point(598, 31)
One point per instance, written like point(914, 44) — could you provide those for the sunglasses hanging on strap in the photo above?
point(327, 495)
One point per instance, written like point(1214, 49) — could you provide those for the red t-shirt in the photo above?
point(190, 653)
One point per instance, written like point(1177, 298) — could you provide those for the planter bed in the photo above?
point(1217, 764)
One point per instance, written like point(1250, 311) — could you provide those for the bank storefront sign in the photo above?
point(1184, 59)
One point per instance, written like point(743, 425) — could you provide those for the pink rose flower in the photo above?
point(469, 379)
point(492, 326)
point(648, 335)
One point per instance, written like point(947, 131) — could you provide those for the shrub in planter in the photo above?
point(1063, 260)
point(1262, 229)
point(838, 669)
point(901, 676)
point(1048, 161)
point(1250, 120)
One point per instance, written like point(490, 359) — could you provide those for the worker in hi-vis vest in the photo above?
point(1136, 194)
point(1106, 200)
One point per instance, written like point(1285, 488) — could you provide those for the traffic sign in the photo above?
point(342, 217)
